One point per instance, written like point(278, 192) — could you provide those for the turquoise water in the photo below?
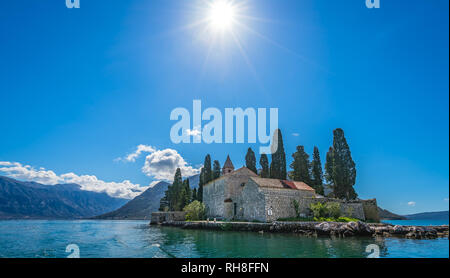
point(136, 239)
point(417, 222)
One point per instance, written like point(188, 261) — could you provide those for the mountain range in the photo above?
point(141, 207)
point(31, 200)
point(437, 215)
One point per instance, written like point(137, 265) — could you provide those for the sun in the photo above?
point(221, 15)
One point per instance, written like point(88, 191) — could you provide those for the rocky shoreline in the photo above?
point(336, 229)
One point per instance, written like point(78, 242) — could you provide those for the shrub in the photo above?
point(334, 210)
point(195, 211)
point(319, 210)
point(296, 219)
point(347, 219)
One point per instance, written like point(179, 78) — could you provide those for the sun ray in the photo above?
point(247, 60)
point(280, 46)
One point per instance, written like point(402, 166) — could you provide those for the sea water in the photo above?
point(136, 239)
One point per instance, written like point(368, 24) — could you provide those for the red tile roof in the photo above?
point(274, 183)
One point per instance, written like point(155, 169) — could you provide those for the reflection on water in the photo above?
point(33, 239)
point(213, 244)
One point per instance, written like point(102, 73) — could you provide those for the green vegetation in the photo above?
point(177, 196)
point(339, 219)
point(195, 211)
point(318, 219)
point(340, 167)
point(264, 162)
point(194, 195)
point(316, 172)
point(250, 160)
point(278, 164)
point(199, 195)
point(216, 170)
point(328, 210)
point(296, 219)
point(300, 166)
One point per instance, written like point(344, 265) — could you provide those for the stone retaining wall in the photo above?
point(170, 216)
point(317, 228)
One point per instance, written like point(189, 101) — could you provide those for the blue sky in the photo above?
point(82, 87)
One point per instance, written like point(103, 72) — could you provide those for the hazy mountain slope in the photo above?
point(140, 207)
point(193, 181)
point(29, 200)
point(387, 215)
point(438, 215)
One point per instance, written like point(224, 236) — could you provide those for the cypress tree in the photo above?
point(344, 168)
point(186, 193)
point(200, 185)
point(216, 169)
point(329, 167)
point(264, 161)
point(176, 199)
point(316, 171)
point(300, 166)
point(250, 160)
point(163, 203)
point(278, 164)
point(207, 175)
point(194, 195)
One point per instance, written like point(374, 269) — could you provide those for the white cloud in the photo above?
point(135, 155)
point(162, 165)
point(296, 134)
point(196, 132)
point(411, 204)
point(124, 189)
point(446, 199)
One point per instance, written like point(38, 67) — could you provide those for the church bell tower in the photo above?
point(228, 167)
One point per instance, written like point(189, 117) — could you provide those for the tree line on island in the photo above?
point(340, 173)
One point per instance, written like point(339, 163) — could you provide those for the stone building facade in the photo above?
point(243, 195)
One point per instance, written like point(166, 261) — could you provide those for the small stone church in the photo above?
point(243, 195)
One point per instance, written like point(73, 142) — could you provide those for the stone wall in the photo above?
point(353, 209)
point(280, 202)
point(214, 198)
point(236, 196)
point(252, 203)
point(224, 194)
point(371, 210)
point(170, 216)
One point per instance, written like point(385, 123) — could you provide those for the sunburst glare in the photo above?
point(221, 15)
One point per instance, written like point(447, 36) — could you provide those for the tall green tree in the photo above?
point(186, 194)
point(163, 203)
point(278, 164)
point(173, 199)
point(316, 172)
point(207, 174)
point(176, 197)
point(194, 195)
point(264, 162)
point(329, 167)
point(216, 170)
point(201, 182)
point(300, 166)
point(250, 160)
point(343, 168)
